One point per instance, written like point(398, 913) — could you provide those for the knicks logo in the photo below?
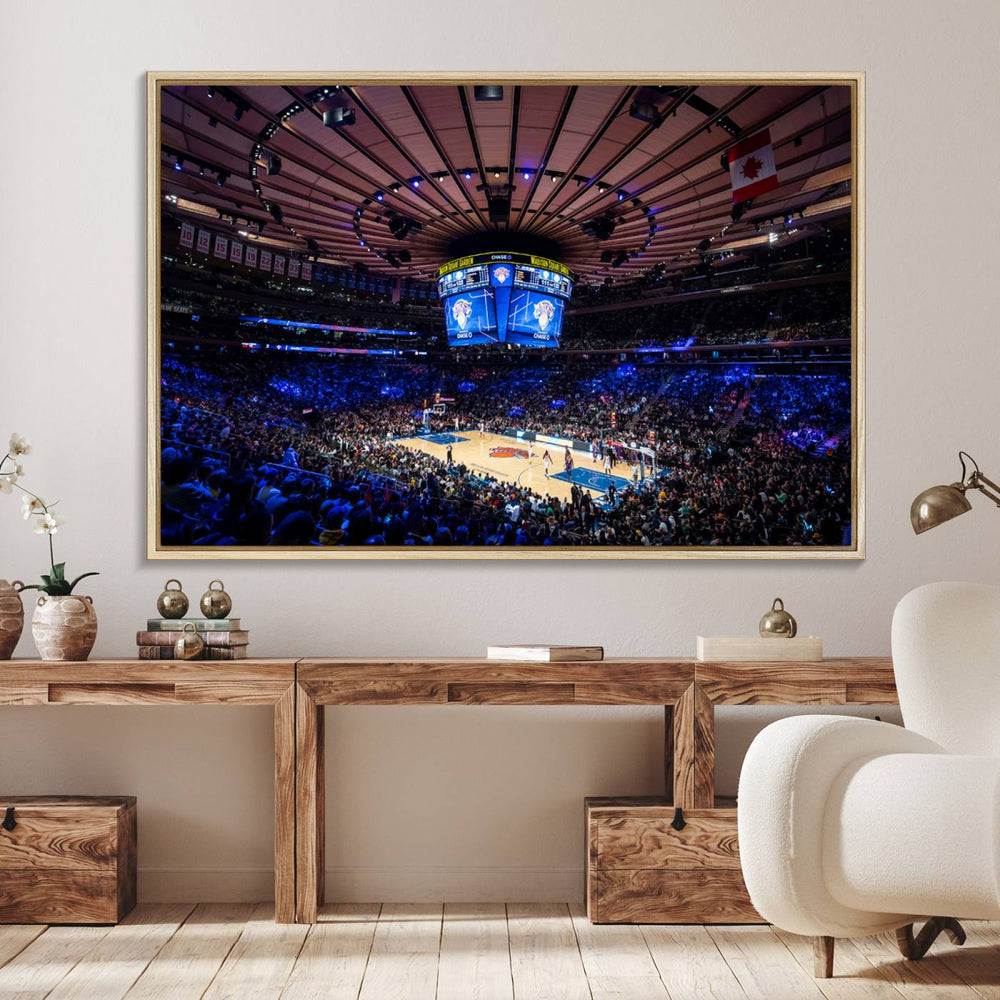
point(508, 452)
point(501, 274)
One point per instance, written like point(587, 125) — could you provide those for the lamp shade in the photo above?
point(936, 505)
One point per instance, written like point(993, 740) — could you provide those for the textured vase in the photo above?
point(11, 617)
point(64, 627)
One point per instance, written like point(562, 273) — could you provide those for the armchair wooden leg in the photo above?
point(823, 957)
point(914, 948)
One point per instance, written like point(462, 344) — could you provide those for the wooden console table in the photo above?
point(688, 689)
point(640, 868)
point(178, 682)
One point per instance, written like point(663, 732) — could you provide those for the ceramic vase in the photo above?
point(11, 617)
point(64, 627)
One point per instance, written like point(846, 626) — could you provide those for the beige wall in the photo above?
point(464, 803)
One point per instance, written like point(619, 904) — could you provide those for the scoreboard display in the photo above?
point(504, 298)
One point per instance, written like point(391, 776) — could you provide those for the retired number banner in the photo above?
point(187, 234)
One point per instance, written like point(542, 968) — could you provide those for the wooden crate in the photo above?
point(67, 860)
point(641, 870)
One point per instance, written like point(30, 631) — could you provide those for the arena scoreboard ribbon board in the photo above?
point(504, 298)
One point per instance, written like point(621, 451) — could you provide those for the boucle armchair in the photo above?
point(850, 827)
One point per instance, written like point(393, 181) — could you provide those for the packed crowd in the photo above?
point(277, 451)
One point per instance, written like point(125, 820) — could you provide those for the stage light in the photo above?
point(274, 165)
point(237, 114)
point(647, 113)
point(415, 182)
point(468, 175)
point(201, 171)
point(361, 242)
point(554, 178)
point(527, 175)
point(222, 178)
point(211, 92)
point(488, 93)
point(621, 195)
point(379, 196)
point(496, 173)
point(179, 165)
point(339, 117)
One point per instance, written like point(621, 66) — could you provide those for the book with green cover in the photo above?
point(201, 624)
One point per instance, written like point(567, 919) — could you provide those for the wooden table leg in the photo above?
point(694, 750)
point(284, 807)
point(310, 808)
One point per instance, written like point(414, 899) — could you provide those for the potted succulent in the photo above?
point(63, 624)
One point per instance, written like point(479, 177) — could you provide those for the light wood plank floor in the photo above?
point(479, 951)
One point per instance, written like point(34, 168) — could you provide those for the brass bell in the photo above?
point(216, 603)
point(778, 623)
point(173, 602)
point(189, 644)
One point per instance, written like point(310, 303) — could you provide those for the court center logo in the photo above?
point(505, 451)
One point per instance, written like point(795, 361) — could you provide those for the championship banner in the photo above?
point(265, 260)
point(279, 264)
point(751, 167)
point(293, 268)
point(187, 235)
point(204, 241)
point(307, 270)
point(251, 257)
point(221, 246)
point(236, 252)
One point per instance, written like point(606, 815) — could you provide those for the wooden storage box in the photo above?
point(67, 859)
point(641, 870)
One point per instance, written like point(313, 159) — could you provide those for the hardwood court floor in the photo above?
point(482, 951)
point(474, 452)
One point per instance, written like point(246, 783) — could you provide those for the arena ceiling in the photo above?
point(613, 180)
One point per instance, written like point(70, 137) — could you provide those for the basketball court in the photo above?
point(505, 458)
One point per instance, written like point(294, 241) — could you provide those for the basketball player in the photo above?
point(482, 428)
point(607, 462)
point(531, 450)
point(568, 462)
point(448, 454)
point(547, 462)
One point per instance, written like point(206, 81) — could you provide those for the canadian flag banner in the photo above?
point(221, 247)
point(265, 260)
point(204, 241)
point(751, 167)
point(307, 270)
point(293, 268)
point(187, 234)
point(251, 257)
point(236, 253)
point(279, 264)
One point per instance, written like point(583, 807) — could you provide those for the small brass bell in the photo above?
point(173, 602)
point(216, 603)
point(778, 623)
point(189, 644)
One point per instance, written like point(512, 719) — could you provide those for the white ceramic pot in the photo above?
point(64, 628)
point(11, 617)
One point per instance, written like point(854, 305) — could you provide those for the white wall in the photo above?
point(468, 803)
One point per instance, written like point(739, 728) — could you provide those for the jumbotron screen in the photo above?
point(504, 298)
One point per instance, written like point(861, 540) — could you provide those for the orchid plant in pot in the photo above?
point(64, 625)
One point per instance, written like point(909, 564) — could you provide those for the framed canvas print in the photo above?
point(510, 317)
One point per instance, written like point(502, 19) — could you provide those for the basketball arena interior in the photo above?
point(507, 315)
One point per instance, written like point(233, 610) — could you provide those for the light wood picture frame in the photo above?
point(728, 398)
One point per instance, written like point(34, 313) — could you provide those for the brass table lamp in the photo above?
point(941, 503)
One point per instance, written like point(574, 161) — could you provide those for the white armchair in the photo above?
point(848, 827)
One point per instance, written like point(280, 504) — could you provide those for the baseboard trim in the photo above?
point(369, 884)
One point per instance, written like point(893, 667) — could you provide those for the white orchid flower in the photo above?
point(49, 524)
point(31, 505)
point(18, 445)
point(6, 482)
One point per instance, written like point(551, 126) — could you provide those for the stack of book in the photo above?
point(223, 638)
